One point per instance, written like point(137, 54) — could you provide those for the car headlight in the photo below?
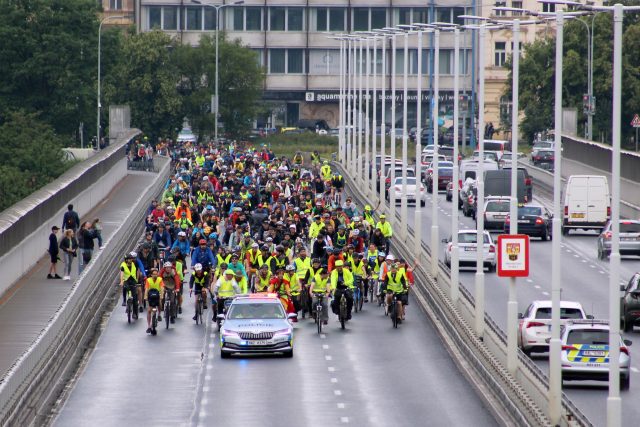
point(286, 333)
point(224, 334)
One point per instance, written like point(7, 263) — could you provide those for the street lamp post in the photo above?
point(405, 82)
point(99, 105)
point(392, 193)
point(455, 261)
point(360, 114)
point(216, 103)
point(367, 132)
point(417, 222)
point(374, 123)
point(435, 230)
point(383, 128)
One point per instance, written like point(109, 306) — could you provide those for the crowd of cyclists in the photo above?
point(234, 219)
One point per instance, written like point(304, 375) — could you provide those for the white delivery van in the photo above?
point(587, 204)
point(468, 168)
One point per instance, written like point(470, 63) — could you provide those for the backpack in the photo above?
point(70, 222)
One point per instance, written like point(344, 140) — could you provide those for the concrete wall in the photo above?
point(25, 226)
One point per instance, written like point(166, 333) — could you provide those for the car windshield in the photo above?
point(470, 238)
point(530, 210)
point(410, 181)
point(588, 336)
point(565, 313)
point(445, 164)
point(497, 207)
point(543, 145)
point(629, 227)
point(445, 172)
point(270, 310)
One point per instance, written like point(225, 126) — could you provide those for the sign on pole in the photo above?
point(513, 255)
point(636, 121)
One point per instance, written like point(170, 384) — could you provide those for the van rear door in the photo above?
point(577, 198)
point(597, 199)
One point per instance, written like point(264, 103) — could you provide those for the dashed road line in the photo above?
point(344, 419)
point(341, 405)
point(545, 293)
point(331, 369)
point(327, 357)
point(325, 346)
point(337, 392)
point(334, 380)
point(536, 286)
point(634, 369)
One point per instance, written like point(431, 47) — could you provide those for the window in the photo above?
point(336, 19)
point(295, 61)
point(322, 19)
point(421, 15)
point(170, 18)
point(115, 4)
point(294, 19)
point(209, 18)
point(155, 17)
point(238, 19)
point(259, 56)
point(254, 18)
point(464, 61)
point(548, 7)
point(360, 19)
point(517, 4)
point(378, 18)
point(500, 54)
point(519, 45)
point(505, 117)
point(443, 14)
point(193, 18)
point(277, 18)
point(500, 12)
point(457, 11)
point(446, 55)
point(404, 15)
point(277, 61)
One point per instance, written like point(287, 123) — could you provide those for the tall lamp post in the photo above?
point(99, 105)
point(393, 32)
point(383, 111)
point(216, 103)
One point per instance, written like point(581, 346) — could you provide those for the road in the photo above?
point(584, 279)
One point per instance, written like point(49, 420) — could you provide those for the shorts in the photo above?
point(153, 297)
point(54, 258)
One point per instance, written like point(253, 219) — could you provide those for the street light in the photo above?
point(216, 104)
point(383, 129)
point(405, 64)
point(341, 101)
point(99, 105)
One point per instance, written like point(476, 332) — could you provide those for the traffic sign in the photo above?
point(636, 121)
point(513, 255)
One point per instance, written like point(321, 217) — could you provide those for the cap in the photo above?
point(339, 263)
point(167, 264)
point(228, 271)
point(381, 253)
point(383, 216)
point(255, 245)
point(182, 234)
point(367, 208)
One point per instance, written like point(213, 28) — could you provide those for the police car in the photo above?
point(257, 323)
point(585, 352)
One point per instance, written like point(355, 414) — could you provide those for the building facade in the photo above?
point(125, 8)
point(302, 63)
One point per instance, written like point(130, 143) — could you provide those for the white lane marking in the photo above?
point(334, 380)
point(323, 336)
point(529, 281)
point(545, 293)
point(576, 255)
point(602, 272)
point(344, 419)
point(204, 402)
point(584, 260)
point(568, 251)
point(337, 392)
point(207, 377)
point(205, 389)
point(202, 414)
point(209, 366)
point(327, 357)
point(325, 346)
point(331, 369)
point(592, 266)
point(536, 286)
point(634, 369)
point(341, 405)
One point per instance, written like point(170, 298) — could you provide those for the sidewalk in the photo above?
point(29, 305)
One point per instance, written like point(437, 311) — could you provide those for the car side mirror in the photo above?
point(622, 288)
point(548, 340)
point(627, 342)
point(590, 316)
point(292, 316)
point(520, 316)
point(445, 241)
point(220, 317)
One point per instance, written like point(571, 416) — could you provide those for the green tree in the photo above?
point(30, 156)
point(48, 60)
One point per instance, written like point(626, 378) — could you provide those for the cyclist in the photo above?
point(182, 244)
point(171, 280)
point(359, 271)
point(325, 171)
point(396, 283)
point(203, 255)
point(200, 278)
point(281, 287)
point(315, 160)
point(320, 285)
point(341, 284)
point(241, 280)
point(294, 287)
point(129, 278)
point(226, 287)
point(385, 227)
point(337, 184)
point(153, 293)
point(263, 278)
point(298, 159)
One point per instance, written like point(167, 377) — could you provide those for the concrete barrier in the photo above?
point(25, 226)
point(37, 377)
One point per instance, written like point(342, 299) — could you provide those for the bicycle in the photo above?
point(343, 311)
point(199, 306)
point(132, 304)
point(371, 286)
point(379, 295)
point(318, 317)
point(394, 310)
point(358, 297)
point(154, 320)
point(169, 306)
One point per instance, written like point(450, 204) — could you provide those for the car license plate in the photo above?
point(577, 215)
point(258, 342)
point(628, 239)
point(595, 365)
point(499, 216)
point(470, 249)
point(594, 353)
point(523, 221)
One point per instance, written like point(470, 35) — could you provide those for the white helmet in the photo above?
point(390, 258)
point(197, 267)
point(182, 234)
point(167, 265)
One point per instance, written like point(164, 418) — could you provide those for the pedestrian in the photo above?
point(85, 239)
point(54, 251)
point(69, 247)
point(70, 220)
point(97, 229)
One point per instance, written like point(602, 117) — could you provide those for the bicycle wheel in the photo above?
point(343, 311)
point(360, 299)
point(394, 313)
point(154, 321)
point(319, 318)
point(129, 308)
point(167, 314)
point(356, 299)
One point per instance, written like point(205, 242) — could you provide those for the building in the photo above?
point(302, 63)
point(119, 8)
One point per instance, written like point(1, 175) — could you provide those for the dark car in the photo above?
point(630, 303)
point(542, 157)
point(528, 182)
point(445, 175)
point(534, 221)
point(468, 196)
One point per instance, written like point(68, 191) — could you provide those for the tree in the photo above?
point(48, 60)
point(30, 156)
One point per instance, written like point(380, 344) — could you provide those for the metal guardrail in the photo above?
point(524, 394)
point(28, 383)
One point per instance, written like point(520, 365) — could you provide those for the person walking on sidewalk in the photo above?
point(70, 220)
point(69, 248)
point(85, 238)
point(54, 251)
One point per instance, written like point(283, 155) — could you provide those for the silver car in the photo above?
point(256, 324)
point(629, 239)
point(496, 210)
point(585, 352)
point(467, 247)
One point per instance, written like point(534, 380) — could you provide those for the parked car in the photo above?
point(587, 203)
point(534, 326)
point(629, 239)
point(467, 247)
point(630, 303)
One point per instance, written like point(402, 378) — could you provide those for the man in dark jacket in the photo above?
point(70, 220)
point(85, 242)
point(54, 251)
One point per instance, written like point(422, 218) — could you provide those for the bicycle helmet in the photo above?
point(381, 254)
point(228, 271)
point(197, 267)
point(133, 254)
point(202, 242)
point(315, 261)
point(279, 248)
point(289, 267)
point(390, 258)
point(167, 264)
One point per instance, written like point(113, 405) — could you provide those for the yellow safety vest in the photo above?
point(394, 283)
point(157, 284)
point(294, 285)
point(263, 283)
point(200, 280)
point(358, 270)
point(302, 266)
point(319, 284)
point(129, 273)
point(226, 288)
point(223, 260)
point(242, 284)
point(385, 228)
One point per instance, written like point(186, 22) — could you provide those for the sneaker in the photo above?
point(124, 303)
point(49, 276)
point(366, 300)
point(66, 278)
point(148, 330)
point(102, 247)
point(57, 277)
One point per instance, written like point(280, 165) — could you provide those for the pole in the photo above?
point(417, 222)
point(383, 127)
point(217, 103)
point(348, 117)
point(455, 281)
point(512, 305)
point(354, 122)
point(555, 374)
point(99, 83)
point(479, 278)
point(405, 82)
point(341, 105)
point(392, 193)
point(614, 404)
point(367, 135)
point(374, 125)
point(359, 159)
point(636, 138)
point(590, 82)
point(435, 234)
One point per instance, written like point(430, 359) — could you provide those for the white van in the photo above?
point(587, 203)
point(468, 168)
